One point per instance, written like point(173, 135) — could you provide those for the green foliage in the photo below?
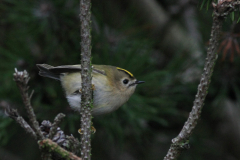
point(5, 134)
point(35, 32)
point(208, 3)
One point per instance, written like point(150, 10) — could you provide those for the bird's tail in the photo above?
point(45, 71)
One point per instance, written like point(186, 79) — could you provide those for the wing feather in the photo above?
point(54, 72)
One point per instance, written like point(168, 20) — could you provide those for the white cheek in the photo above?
point(74, 101)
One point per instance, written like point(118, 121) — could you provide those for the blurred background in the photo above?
point(162, 42)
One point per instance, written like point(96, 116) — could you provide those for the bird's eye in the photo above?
point(125, 81)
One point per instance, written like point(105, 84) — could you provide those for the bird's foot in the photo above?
point(93, 130)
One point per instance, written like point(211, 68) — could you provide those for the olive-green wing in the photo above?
point(54, 72)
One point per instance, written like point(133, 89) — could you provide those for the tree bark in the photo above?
point(86, 97)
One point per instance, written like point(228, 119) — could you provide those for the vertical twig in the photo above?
point(221, 10)
point(86, 97)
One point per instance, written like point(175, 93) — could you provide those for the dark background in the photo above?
point(161, 42)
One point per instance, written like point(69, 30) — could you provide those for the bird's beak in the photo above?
point(139, 82)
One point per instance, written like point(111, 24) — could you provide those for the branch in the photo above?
point(69, 143)
point(22, 78)
point(47, 129)
point(54, 147)
point(12, 113)
point(55, 124)
point(221, 10)
point(86, 97)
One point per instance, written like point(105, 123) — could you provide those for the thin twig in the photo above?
point(22, 78)
point(54, 147)
point(12, 113)
point(47, 129)
point(55, 124)
point(74, 143)
point(179, 143)
point(86, 97)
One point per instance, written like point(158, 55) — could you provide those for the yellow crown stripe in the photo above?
point(125, 71)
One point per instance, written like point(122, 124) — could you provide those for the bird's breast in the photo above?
point(106, 98)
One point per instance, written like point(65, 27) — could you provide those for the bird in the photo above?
point(113, 86)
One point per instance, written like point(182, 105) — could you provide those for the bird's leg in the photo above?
point(80, 131)
point(93, 87)
point(92, 129)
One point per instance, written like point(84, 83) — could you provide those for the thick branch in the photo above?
point(181, 141)
point(54, 147)
point(86, 97)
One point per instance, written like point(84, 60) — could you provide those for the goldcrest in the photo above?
point(113, 86)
